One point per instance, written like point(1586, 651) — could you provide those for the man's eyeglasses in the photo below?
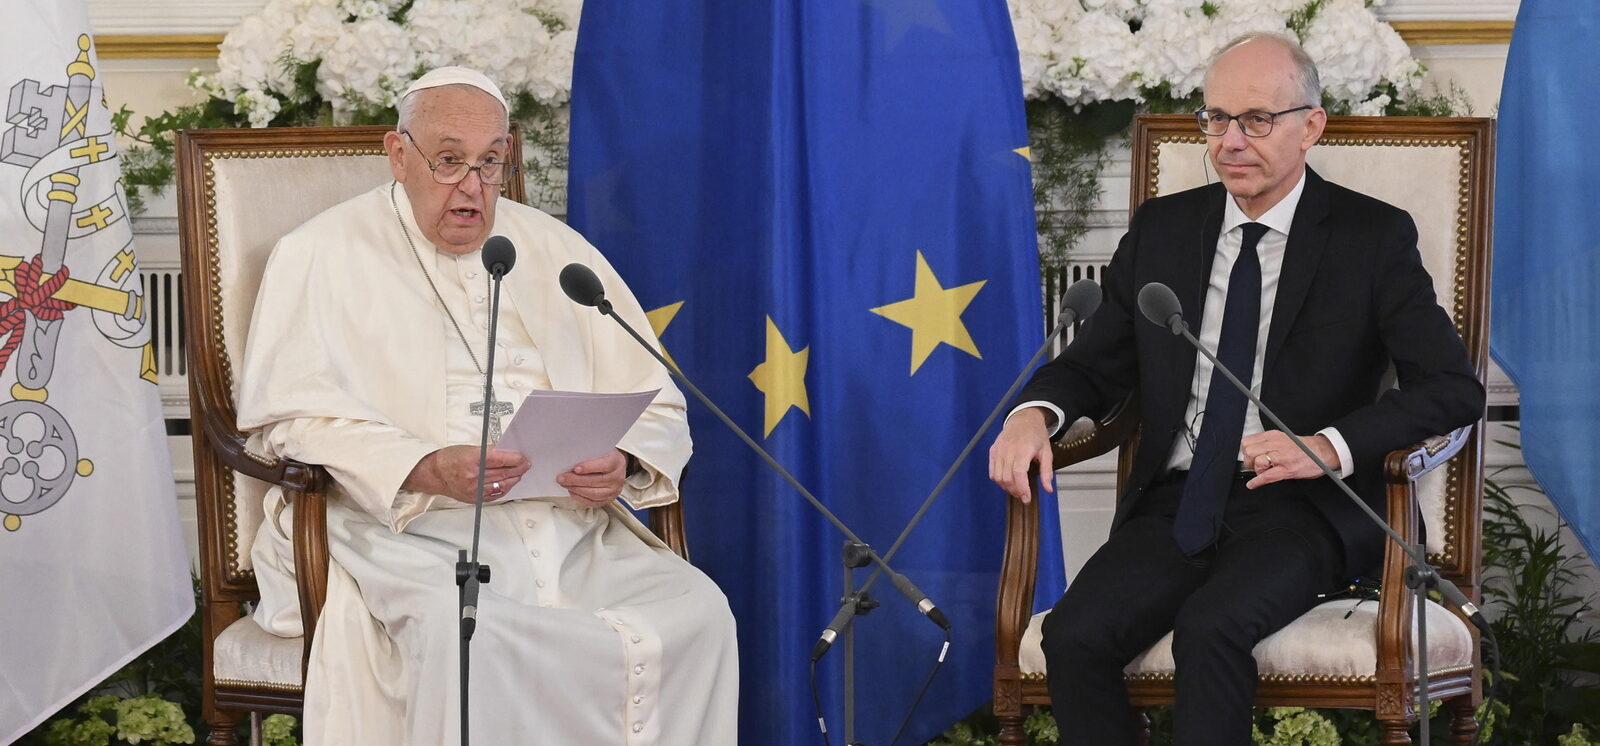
point(1214, 122)
point(451, 171)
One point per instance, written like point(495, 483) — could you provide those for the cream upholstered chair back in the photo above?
point(1432, 168)
point(254, 186)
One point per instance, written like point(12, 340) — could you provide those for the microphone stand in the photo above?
point(1420, 577)
point(470, 573)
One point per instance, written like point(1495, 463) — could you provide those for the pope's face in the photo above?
point(1260, 171)
point(450, 123)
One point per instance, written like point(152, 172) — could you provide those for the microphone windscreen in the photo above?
point(1159, 304)
point(1083, 299)
point(499, 256)
point(581, 285)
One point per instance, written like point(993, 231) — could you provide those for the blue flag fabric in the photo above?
point(1546, 311)
point(826, 207)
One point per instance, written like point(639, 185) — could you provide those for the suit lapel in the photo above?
point(1308, 238)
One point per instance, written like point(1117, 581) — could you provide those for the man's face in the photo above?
point(450, 123)
point(1260, 171)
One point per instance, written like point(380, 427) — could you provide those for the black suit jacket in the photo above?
point(1353, 299)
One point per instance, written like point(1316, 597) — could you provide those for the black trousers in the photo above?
point(1275, 555)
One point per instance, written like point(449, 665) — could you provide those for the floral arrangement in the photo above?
point(364, 52)
point(1110, 50)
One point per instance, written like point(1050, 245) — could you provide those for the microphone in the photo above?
point(499, 256)
point(1160, 305)
point(584, 288)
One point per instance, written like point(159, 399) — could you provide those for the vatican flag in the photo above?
point(92, 564)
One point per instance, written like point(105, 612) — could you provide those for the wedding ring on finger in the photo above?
point(1268, 454)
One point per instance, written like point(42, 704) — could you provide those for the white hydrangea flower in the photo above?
point(1177, 43)
point(1353, 49)
point(369, 64)
point(250, 57)
point(258, 106)
point(1101, 61)
point(1127, 10)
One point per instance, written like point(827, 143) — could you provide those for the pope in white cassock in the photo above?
point(365, 355)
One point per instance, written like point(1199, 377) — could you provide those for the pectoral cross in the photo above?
point(500, 409)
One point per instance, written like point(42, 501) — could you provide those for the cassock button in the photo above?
point(638, 670)
point(520, 359)
point(535, 554)
point(635, 638)
point(532, 523)
point(539, 583)
point(638, 727)
point(478, 299)
point(472, 274)
point(637, 699)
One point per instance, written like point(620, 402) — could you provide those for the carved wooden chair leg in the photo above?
point(1142, 721)
point(222, 727)
point(1463, 721)
point(1394, 732)
point(1011, 732)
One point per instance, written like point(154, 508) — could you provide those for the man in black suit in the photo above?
point(1227, 531)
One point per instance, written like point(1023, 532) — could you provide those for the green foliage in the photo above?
point(1531, 587)
point(279, 730)
point(1293, 726)
point(146, 719)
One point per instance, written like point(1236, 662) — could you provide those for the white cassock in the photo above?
point(591, 631)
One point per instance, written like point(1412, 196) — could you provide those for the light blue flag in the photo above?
point(1546, 288)
point(826, 207)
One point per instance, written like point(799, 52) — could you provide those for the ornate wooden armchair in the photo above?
point(238, 192)
point(1442, 171)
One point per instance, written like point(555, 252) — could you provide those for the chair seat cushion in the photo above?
point(247, 654)
point(1323, 642)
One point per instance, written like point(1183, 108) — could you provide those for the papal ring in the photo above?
point(1268, 454)
point(496, 485)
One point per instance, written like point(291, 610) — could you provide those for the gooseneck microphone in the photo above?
point(499, 256)
point(1160, 305)
point(584, 288)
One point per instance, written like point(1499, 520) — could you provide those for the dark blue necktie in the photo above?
point(1212, 472)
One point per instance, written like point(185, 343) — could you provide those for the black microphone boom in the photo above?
point(1079, 302)
point(584, 288)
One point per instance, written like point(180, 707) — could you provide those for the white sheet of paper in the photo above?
point(558, 430)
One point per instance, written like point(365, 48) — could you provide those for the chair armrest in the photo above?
point(229, 445)
point(1081, 443)
point(1410, 463)
point(310, 560)
point(1396, 662)
point(666, 522)
point(1019, 564)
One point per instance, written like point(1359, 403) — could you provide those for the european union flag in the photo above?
point(1545, 306)
point(826, 207)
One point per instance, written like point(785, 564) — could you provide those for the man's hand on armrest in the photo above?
point(1023, 441)
point(452, 471)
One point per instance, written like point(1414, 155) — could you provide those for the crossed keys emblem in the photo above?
point(70, 194)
